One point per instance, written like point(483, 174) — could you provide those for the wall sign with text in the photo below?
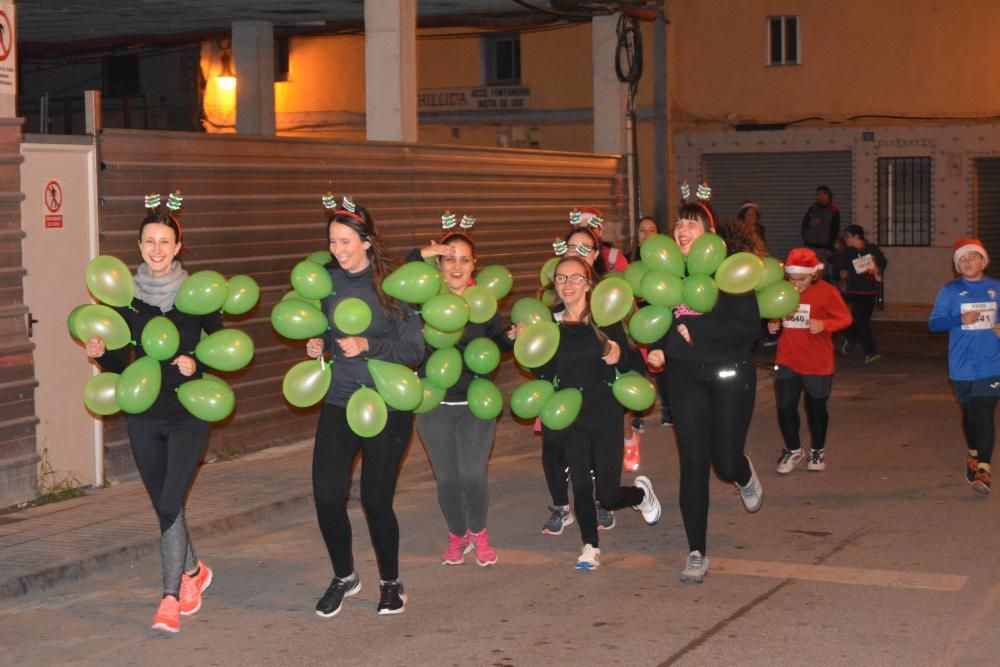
point(486, 98)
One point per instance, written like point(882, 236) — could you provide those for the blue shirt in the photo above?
point(973, 349)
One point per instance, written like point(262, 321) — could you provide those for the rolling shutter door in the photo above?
point(987, 200)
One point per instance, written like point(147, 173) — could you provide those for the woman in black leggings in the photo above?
point(166, 440)
point(360, 264)
point(712, 382)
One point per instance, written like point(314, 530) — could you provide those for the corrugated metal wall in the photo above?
point(18, 458)
point(252, 206)
point(783, 185)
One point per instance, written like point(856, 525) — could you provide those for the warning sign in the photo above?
point(53, 222)
point(8, 53)
point(53, 196)
point(6, 35)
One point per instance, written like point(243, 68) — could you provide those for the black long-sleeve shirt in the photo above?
point(725, 333)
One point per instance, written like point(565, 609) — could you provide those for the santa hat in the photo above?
point(963, 246)
point(802, 261)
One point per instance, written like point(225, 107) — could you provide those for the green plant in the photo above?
point(52, 486)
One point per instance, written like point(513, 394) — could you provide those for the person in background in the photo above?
point(821, 227)
point(967, 309)
point(647, 228)
point(749, 216)
point(861, 266)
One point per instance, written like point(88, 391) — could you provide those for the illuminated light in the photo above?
point(727, 373)
point(227, 83)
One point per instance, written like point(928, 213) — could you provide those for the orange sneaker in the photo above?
point(631, 460)
point(168, 616)
point(193, 587)
point(984, 480)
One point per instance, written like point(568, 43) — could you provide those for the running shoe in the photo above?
point(638, 425)
point(329, 605)
point(971, 466)
point(168, 616)
point(650, 505)
point(454, 554)
point(485, 553)
point(872, 358)
point(631, 460)
point(752, 494)
point(589, 560)
point(817, 460)
point(392, 598)
point(605, 517)
point(192, 587)
point(845, 347)
point(788, 460)
point(696, 569)
point(666, 420)
point(984, 480)
point(559, 518)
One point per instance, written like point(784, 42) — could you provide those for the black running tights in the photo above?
point(787, 391)
point(978, 426)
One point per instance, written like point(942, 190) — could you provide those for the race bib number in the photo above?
point(799, 319)
point(863, 264)
point(987, 315)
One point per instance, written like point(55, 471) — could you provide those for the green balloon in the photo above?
point(739, 273)
point(99, 394)
point(634, 391)
point(413, 282)
point(561, 409)
point(433, 395)
point(110, 281)
point(497, 279)
point(778, 300)
point(307, 382)
point(527, 400)
point(700, 293)
point(661, 288)
point(633, 276)
point(545, 276)
point(398, 385)
point(202, 293)
point(366, 413)
point(98, 320)
point(225, 350)
point(616, 274)
point(71, 319)
point(611, 301)
point(209, 400)
point(311, 280)
point(482, 304)
point(444, 367)
point(548, 297)
point(774, 270)
point(296, 319)
point(446, 312)
point(705, 255)
point(537, 344)
point(139, 385)
point(661, 253)
point(440, 339)
point(315, 303)
point(321, 257)
point(650, 324)
point(160, 338)
point(242, 294)
point(482, 356)
point(485, 400)
point(352, 316)
point(530, 311)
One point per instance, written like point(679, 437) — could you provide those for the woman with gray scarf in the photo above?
point(166, 440)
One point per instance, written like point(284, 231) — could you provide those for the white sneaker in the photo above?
point(650, 506)
point(789, 460)
point(816, 460)
point(752, 494)
point(696, 569)
point(590, 558)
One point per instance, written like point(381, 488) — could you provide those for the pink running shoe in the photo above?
point(485, 553)
point(631, 460)
point(193, 587)
point(168, 616)
point(457, 548)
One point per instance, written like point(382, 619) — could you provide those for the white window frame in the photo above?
point(785, 60)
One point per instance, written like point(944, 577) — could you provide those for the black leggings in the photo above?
point(978, 426)
point(333, 463)
point(787, 391)
point(598, 449)
point(712, 404)
point(862, 308)
point(167, 453)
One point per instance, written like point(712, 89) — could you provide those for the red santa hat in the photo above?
point(802, 261)
point(963, 246)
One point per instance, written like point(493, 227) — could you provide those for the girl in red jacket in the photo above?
point(805, 358)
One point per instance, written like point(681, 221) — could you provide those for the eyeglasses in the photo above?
point(576, 278)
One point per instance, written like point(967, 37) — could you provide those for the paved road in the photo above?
point(887, 558)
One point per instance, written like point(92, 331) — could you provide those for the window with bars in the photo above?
point(904, 201)
point(783, 40)
point(502, 59)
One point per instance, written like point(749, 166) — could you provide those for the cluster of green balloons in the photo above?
point(297, 315)
point(206, 292)
point(557, 409)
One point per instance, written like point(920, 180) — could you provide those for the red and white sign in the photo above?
point(53, 198)
point(8, 57)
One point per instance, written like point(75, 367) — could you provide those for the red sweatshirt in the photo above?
point(808, 353)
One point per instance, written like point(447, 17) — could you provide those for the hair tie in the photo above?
point(447, 220)
point(559, 247)
point(467, 222)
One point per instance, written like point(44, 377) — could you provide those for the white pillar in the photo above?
point(253, 56)
point(391, 70)
point(609, 92)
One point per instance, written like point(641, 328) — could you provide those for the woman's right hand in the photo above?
point(95, 347)
point(773, 326)
point(655, 358)
point(434, 249)
point(314, 348)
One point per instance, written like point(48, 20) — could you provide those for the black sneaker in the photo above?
point(392, 599)
point(331, 602)
point(971, 466)
point(638, 425)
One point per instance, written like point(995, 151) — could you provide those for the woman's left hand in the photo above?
point(685, 334)
point(353, 346)
point(514, 331)
point(185, 364)
point(613, 354)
